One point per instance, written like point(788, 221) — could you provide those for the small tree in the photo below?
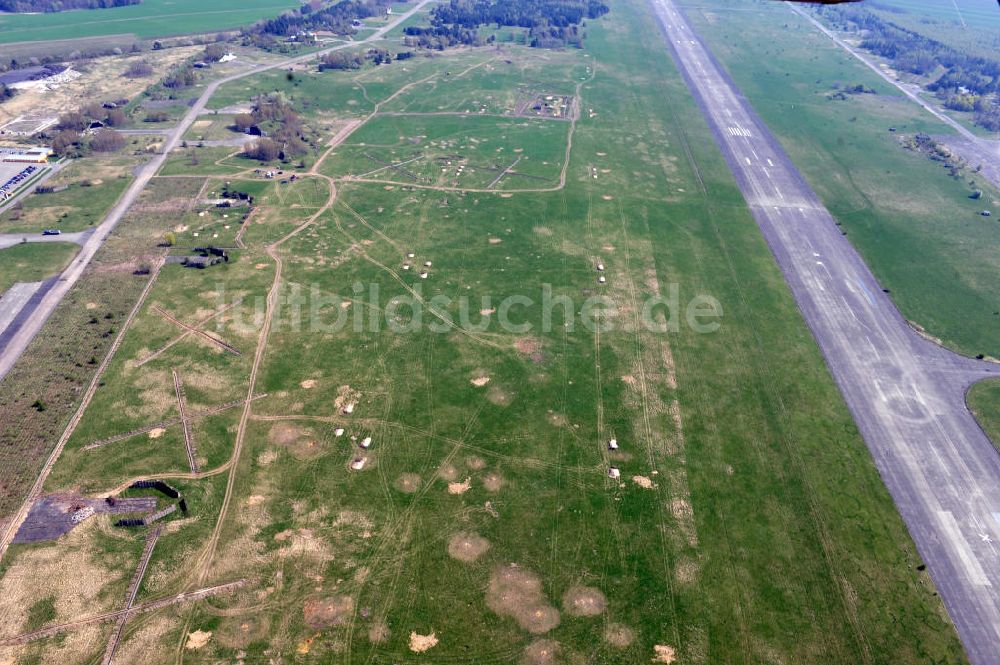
point(107, 140)
point(138, 69)
point(243, 122)
point(169, 238)
point(115, 118)
point(264, 150)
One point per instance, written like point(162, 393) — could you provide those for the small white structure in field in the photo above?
point(406, 266)
point(339, 431)
point(348, 408)
point(613, 472)
point(229, 57)
point(600, 267)
point(423, 275)
point(366, 442)
point(427, 264)
point(601, 280)
point(613, 444)
point(358, 463)
point(409, 255)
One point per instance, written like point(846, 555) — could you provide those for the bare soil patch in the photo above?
point(467, 547)
point(584, 601)
point(475, 463)
point(448, 472)
point(460, 487)
point(198, 639)
point(643, 482)
point(663, 653)
point(308, 383)
point(517, 593)
point(421, 643)
point(156, 432)
point(327, 612)
point(408, 483)
point(480, 381)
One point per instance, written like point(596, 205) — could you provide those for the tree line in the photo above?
point(967, 82)
point(336, 18)
point(49, 6)
point(550, 23)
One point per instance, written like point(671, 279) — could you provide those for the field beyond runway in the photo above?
point(425, 493)
point(147, 20)
point(907, 394)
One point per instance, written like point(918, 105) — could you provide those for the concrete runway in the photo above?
point(907, 394)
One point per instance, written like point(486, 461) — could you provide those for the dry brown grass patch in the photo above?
point(541, 652)
point(327, 612)
point(299, 441)
point(408, 483)
point(618, 635)
point(467, 547)
point(517, 593)
point(531, 347)
point(448, 472)
point(378, 633)
point(499, 396)
point(584, 601)
point(492, 482)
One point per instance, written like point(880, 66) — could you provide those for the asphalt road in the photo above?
point(11, 239)
point(907, 394)
point(34, 318)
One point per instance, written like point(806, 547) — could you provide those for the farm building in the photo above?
point(39, 155)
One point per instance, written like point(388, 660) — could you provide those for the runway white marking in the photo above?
point(972, 568)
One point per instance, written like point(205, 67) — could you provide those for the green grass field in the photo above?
point(916, 226)
point(87, 189)
point(147, 20)
point(749, 523)
point(984, 400)
point(33, 261)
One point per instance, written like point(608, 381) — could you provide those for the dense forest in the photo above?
point(963, 82)
point(550, 23)
point(60, 5)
